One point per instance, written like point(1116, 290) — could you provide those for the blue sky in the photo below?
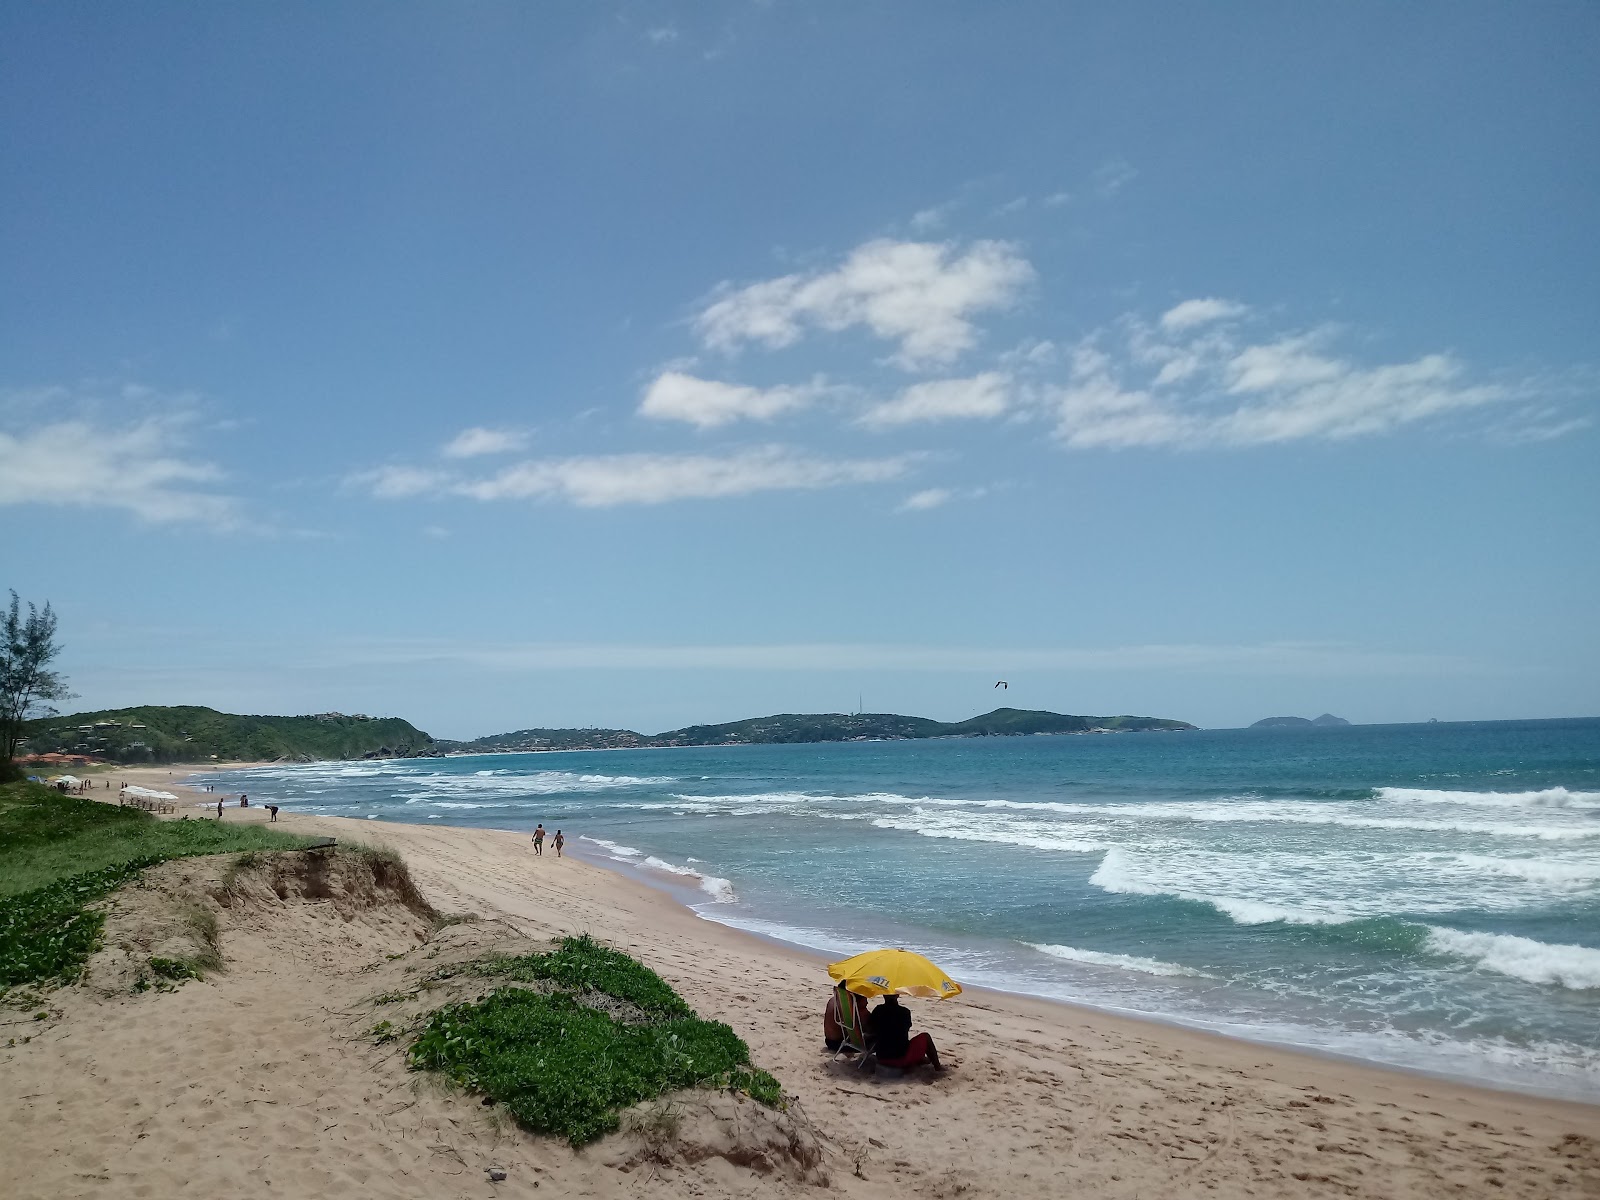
point(500, 365)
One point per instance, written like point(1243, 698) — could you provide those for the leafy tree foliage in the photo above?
point(27, 684)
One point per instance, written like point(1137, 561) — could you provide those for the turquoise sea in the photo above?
point(1419, 895)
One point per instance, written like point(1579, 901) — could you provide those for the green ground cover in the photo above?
point(60, 853)
point(565, 1067)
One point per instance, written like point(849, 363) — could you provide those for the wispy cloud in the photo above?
point(1316, 659)
point(982, 396)
point(611, 480)
point(1110, 178)
point(474, 442)
point(938, 497)
point(144, 466)
point(932, 219)
point(1190, 313)
point(708, 403)
point(921, 295)
point(1197, 380)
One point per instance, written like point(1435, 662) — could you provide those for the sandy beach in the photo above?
point(262, 1080)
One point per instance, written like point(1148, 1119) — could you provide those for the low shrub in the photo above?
point(48, 933)
point(582, 962)
point(565, 1069)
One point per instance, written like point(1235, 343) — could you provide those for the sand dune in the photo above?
point(263, 1080)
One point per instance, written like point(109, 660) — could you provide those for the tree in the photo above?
point(27, 684)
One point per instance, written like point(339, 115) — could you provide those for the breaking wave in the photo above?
point(1555, 797)
point(1125, 962)
point(1576, 967)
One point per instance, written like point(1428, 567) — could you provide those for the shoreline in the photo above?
point(663, 883)
point(280, 1073)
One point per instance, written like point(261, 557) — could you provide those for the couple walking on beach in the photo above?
point(538, 840)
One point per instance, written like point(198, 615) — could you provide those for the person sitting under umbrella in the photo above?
point(845, 1022)
point(891, 1032)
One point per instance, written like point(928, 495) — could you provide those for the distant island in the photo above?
point(1298, 722)
point(189, 733)
point(812, 727)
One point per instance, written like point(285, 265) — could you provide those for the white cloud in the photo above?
point(1185, 316)
point(609, 480)
point(930, 220)
point(1211, 390)
point(938, 497)
point(982, 396)
point(1056, 199)
point(471, 443)
point(397, 483)
point(140, 468)
point(919, 294)
point(707, 403)
point(926, 499)
point(1112, 177)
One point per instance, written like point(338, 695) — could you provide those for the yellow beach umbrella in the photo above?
point(879, 972)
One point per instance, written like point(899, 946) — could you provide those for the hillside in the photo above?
point(157, 734)
point(1326, 720)
point(812, 727)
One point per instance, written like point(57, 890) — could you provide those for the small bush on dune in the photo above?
point(565, 1068)
point(582, 962)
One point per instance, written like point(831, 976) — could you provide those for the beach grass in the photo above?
point(565, 1067)
point(60, 853)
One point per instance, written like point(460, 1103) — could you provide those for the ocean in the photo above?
point(1424, 896)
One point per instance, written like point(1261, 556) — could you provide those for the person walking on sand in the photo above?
point(559, 842)
point(219, 808)
point(538, 838)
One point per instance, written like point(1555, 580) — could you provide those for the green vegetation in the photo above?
point(158, 734)
point(173, 968)
point(816, 727)
point(59, 854)
point(28, 686)
point(582, 964)
point(46, 836)
point(565, 1067)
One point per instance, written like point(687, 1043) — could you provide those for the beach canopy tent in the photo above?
point(147, 793)
point(903, 972)
point(69, 780)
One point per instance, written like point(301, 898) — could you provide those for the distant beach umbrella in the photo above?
point(903, 972)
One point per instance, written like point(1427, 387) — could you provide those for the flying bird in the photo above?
point(1003, 684)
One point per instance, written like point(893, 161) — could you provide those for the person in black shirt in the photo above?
point(891, 1031)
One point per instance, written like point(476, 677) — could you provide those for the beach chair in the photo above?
point(851, 1011)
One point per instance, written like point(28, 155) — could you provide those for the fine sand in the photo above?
point(264, 1080)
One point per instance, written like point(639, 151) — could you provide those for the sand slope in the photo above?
point(263, 1081)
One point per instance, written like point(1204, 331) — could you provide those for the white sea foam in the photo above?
point(1576, 967)
point(1562, 874)
point(1117, 873)
point(979, 827)
point(798, 935)
point(720, 890)
point(1249, 809)
point(1125, 962)
point(614, 848)
point(1555, 797)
